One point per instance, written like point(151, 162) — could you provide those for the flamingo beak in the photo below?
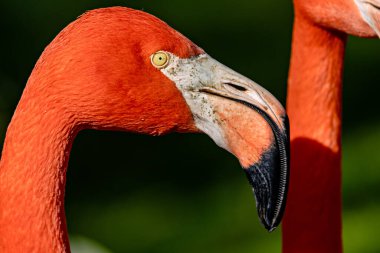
point(243, 118)
point(370, 11)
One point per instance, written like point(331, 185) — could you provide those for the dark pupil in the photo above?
point(160, 58)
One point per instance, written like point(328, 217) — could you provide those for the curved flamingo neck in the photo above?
point(312, 221)
point(33, 175)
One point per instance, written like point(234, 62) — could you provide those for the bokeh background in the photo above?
point(181, 193)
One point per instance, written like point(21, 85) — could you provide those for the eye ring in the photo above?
point(160, 59)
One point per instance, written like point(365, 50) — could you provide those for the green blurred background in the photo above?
point(181, 193)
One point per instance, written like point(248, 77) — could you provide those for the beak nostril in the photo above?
point(376, 7)
point(373, 5)
point(235, 86)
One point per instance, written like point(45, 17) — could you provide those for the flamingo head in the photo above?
point(123, 69)
point(355, 17)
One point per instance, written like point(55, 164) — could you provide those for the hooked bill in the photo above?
point(243, 118)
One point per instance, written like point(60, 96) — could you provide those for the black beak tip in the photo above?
point(269, 180)
point(268, 224)
point(265, 204)
point(270, 228)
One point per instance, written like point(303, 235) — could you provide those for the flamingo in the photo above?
point(314, 106)
point(122, 69)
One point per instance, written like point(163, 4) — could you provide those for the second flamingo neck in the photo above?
point(312, 221)
point(315, 84)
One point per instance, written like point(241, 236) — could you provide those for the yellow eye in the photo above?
point(160, 59)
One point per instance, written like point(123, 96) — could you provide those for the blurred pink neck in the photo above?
point(312, 221)
point(32, 175)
